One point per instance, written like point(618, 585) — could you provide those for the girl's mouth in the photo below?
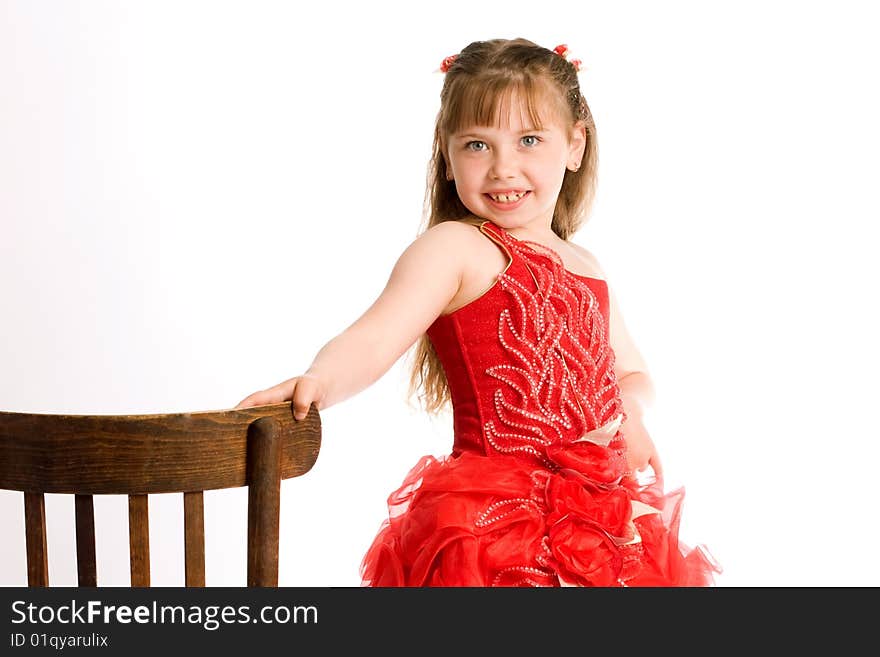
point(509, 201)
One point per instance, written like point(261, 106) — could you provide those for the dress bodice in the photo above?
point(528, 363)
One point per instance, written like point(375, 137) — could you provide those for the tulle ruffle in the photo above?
point(473, 520)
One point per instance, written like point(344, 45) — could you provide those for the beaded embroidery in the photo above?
point(561, 380)
point(558, 381)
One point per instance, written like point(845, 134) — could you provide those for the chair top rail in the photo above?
point(137, 454)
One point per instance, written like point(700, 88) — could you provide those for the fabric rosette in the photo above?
point(586, 525)
point(598, 455)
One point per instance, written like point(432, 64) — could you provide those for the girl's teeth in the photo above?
point(505, 198)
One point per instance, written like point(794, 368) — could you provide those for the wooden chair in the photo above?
point(137, 455)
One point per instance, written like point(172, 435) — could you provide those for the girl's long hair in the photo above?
point(477, 88)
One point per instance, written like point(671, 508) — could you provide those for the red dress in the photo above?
point(535, 491)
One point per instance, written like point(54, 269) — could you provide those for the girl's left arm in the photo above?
point(634, 381)
point(636, 394)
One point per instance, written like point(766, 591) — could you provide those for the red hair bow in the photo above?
point(447, 62)
point(562, 51)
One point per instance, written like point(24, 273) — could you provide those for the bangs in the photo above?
point(489, 102)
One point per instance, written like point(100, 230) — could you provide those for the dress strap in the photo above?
point(497, 234)
point(487, 228)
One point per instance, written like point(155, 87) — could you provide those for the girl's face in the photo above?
point(511, 175)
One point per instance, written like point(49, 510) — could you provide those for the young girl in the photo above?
point(546, 483)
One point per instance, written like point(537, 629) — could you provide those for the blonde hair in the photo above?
point(477, 85)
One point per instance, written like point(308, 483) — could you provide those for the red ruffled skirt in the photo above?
point(473, 520)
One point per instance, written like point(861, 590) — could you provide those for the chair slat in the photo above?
point(194, 538)
point(264, 501)
point(86, 567)
point(139, 539)
point(35, 539)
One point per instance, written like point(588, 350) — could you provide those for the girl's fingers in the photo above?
point(301, 391)
point(657, 466)
point(273, 395)
point(247, 402)
point(256, 399)
point(302, 397)
point(636, 461)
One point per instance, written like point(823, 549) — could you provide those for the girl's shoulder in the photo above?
point(588, 258)
point(464, 245)
point(462, 232)
point(459, 224)
point(452, 245)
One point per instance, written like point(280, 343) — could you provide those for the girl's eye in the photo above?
point(532, 140)
point(471, 145)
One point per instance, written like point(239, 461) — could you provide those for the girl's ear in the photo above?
point(577, 142)
point(446, 166)
point(445, 157)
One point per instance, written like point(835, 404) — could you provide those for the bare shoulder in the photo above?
point(441, 242)
point(426, 276)
point(440, 259)
point(464, 242)
point(591, 260)
point(477, 258)
point(454, 230)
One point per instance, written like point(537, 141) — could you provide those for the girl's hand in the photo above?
point(640, 449)
point(301, 390)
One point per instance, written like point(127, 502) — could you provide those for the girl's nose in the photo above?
point(504, 165)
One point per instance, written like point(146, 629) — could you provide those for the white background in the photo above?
point(195, 196)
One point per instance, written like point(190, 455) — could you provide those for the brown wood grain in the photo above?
point(35, 539)
point(130, 454)
point(264, 502)
point(194, 538)
point(139, 455)
point(86, 567)
point(139, 539)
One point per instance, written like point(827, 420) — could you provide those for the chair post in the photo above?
point(194, 538)
point(35, 539)
point(139, 539)
point(86, 565)
point(264, 501)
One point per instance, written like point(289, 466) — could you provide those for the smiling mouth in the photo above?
point(510, 197)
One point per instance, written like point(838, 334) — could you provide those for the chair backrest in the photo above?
point(136, 455)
